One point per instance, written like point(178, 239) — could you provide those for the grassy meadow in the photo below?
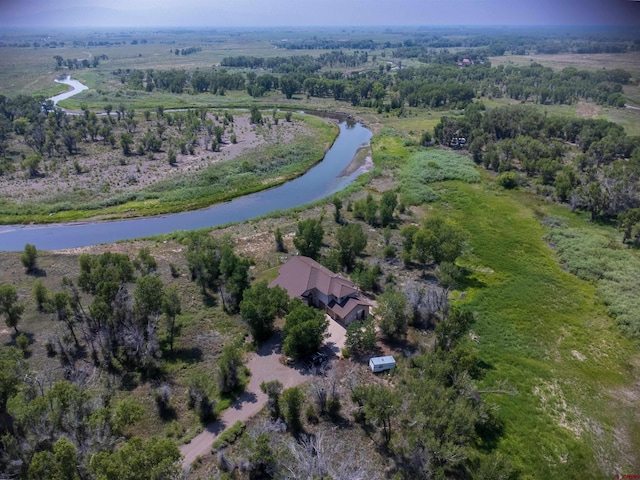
point(546, 334)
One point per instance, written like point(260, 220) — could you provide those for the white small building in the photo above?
point(380, 364)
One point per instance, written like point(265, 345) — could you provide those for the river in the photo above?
point(321, 181)
point(76, 88)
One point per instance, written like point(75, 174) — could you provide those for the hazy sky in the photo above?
point(319, 12)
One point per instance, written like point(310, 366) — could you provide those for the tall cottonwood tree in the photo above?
point(10, 307)
point(308, 238)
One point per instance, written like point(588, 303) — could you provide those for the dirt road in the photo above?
point(264, 366)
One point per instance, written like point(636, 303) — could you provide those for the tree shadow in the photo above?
point(128, 382)
point(189, 355)
point(37, 272)
point(467, 282)
point(245, 397)
point(209, 300)
point(490, 432)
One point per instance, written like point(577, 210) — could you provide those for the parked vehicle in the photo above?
point(318, 358)
point(380, 364)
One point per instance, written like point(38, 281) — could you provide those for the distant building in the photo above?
point(319, 287)
point(465, 63)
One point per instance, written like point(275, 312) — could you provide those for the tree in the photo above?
point(62, 464)
point(62, 310)
point(392, 310)
point(229, 369)
point(351, 242)
point(126, 140)
point(154, 459)
point(234, 278)
point(148, 297)
point(144, 262)
point(11, 377)
point(171, 157)
point(272, 389)
point(304, 329)
point(32, 165)
point(256, 116)
point(308, 238)
point(9, 306)
point(439, 241)
point(380, 405)
point(630, 223)
point(203, 260)
point(289, 86)
point(388, 204)
point(361, 337)
point(337, 203)
point(259, 307)
point(41, 295)
point(277, 235)
point(171, 307)
point(449, 275)
point(291, 401)
point(450, 331)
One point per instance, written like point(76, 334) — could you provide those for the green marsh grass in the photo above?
point(426, 167)
point(546, 333)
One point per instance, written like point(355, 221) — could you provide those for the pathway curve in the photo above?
point(264, 366)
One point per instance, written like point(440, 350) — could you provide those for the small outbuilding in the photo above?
point(380, 364)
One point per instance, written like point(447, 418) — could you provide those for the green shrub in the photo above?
point(229, 436)
point(507, 180)
point(22, 341)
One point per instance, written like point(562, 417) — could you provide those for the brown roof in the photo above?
point(301, 274)
point(343, 310)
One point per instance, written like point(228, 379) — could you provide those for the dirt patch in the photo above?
point(587, 110)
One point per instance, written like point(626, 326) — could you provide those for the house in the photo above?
point(319, 287)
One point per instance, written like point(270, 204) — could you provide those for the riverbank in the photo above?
point(102, 183)
point(321, 181)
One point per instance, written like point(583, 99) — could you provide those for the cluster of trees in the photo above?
point(77, 64)
point(53, 134)
point(304, 327)
point(53, 430)
point(305, 64)
point(177, 80)
point(593, 164)
point(491, 41)
point(431, 420)
point(216, 268)
point(74, 428)
point(439, 85)
point(429, 85)
point(187, 51)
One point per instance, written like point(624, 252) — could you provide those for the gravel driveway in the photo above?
point(264, 366)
